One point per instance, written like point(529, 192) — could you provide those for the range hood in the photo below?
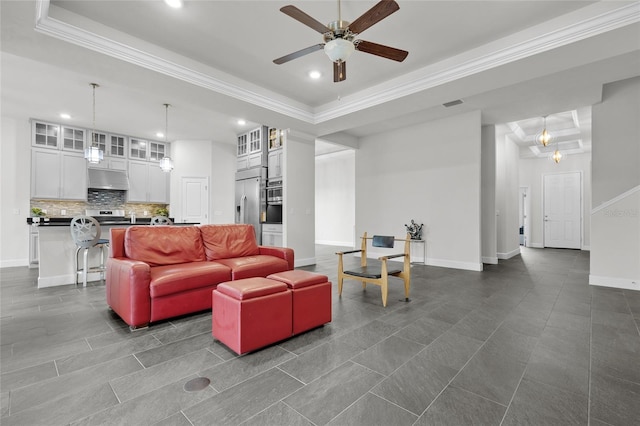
point(108, 179)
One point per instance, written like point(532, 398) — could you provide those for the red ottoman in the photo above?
point(251, 313)
point(311, 298)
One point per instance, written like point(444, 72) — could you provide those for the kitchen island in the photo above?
point(56, 248)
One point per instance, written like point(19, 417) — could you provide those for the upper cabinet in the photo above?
point(58, 175)
point(45, 135)
point(252, 149)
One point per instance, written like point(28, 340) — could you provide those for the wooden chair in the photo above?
point(378, 274)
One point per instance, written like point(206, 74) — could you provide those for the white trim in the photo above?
point(304, 262)
point(78, 36)
point(55, 280)
point(586, 248)
point(509, 254)
point(615, 200)
point(490, 260)
point(454, 264)
point(624, 283)
point(535, 245)
point(13, 263)
point(425, 78)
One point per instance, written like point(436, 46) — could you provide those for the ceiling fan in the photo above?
point(340, 37)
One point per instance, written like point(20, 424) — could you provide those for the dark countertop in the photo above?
point(66, 221)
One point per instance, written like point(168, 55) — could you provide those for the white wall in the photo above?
point(214, 160)
point(430, 173)
point(532, 171)
point(488, 199)
point(335, 198)
point(15, 174)
point(615, 216)
point(507, 190)
point(299, 198)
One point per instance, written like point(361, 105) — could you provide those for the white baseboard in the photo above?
point(490, 260)
point(535, 245)
point(334, 243)
point(624, 283)
point(12, 263)
point(509, 254)
point(304, 262)
point(454, 264)
point(55, 280)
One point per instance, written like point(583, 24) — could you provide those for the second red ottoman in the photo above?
point(251, 313)
point(311, 298)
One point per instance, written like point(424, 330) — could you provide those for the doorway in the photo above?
point(562, 200)
point(195, 200)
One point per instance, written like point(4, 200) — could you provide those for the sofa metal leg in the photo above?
point(138, 327)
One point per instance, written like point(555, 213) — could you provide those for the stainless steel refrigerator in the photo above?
point(251, 202)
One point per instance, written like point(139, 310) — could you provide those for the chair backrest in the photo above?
point(85, 231)
point(160, 220)
point(383, 241)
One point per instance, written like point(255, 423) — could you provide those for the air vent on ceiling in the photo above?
point(452, 103)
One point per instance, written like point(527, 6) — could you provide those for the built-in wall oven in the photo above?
point(274, 201)
point(274, 193)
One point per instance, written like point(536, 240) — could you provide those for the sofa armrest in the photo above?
point(127, 288)
point(281, 252)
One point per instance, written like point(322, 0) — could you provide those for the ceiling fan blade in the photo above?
point(381, 50)
point(374, 15)
point(300, 16)
point(298, 54)
point(339, 71)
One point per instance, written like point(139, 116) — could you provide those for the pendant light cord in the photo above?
point(93, 134)
point(166, 122)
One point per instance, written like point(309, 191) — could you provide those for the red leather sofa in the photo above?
point(159, 272)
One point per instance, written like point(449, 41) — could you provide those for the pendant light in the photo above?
point(544, 137)
point(165, 163)
point(557, 156)
point(93, 154)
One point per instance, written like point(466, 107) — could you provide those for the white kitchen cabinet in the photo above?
point(117, 146)
point(147, 183)
point(138, 149)
point(158, 150)
point(272, 234)
point(275, 165)
point(45, 135)
point(252, 149)
point(33, 247)
point(73, 139)
point(58, 175)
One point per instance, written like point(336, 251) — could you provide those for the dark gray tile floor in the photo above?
point(527, 341)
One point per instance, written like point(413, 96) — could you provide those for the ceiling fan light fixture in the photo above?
point(339, 49)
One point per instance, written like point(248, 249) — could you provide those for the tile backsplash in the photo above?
point(97, 199)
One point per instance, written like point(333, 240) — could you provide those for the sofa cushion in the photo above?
point(164, 245)
point(171, 279)
point(228, 241)
point(254, 266)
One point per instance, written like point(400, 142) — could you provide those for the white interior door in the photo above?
point(562, 210)
point(195, 200)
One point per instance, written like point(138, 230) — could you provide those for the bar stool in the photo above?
point(85, 231)
point(160, 220)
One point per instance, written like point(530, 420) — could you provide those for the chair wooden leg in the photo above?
point(384, 289)
point(407, 286)
point(364, 285)
point(340, 279)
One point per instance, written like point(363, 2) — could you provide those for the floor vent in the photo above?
point(452, 103)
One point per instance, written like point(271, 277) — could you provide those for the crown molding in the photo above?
point(427, 79)
point(419, 80)
point(80, 37)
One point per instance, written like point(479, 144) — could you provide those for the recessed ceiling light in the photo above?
point(65, 115)
point(160, 135)
point(315, 74)
point(242, 122)
point(176, 4)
